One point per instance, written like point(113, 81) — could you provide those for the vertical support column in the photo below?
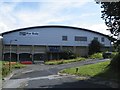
point(87, 49)
point(74, 49)
point(2, 56)
point(47, 48)
point(2, 52)
point(58, 56)
point(1, 49)
point(50, 56)
point(61, 48)
point(32, 53)
point(18, 53)
point(46, 52)
point(18, 57)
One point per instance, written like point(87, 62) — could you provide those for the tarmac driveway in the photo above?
point(46, 76)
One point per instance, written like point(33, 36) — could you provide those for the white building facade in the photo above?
point(48, 42)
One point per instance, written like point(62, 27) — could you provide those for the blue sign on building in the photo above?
point(54, 49)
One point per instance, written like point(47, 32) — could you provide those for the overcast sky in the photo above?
point(15, 14)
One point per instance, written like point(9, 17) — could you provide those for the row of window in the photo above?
point(79, 38)
point(102, 39)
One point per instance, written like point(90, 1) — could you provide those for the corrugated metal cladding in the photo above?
point(48, 42)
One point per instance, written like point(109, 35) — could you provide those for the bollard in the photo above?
point(76, 70)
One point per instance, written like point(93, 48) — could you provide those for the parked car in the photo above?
point(107, 55)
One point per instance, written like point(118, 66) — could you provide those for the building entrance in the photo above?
point(39, 57)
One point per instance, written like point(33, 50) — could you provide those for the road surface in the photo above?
point(46, 76)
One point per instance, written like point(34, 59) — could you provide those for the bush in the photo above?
point(68, 55)
point(114, 54)
point(96, 56)
point(18, 65)
point(5, 70)
point(55, 62)
point(80, 59)
point(115, 63)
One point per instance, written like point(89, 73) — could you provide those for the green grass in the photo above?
point(88, 70)
point(56, 62)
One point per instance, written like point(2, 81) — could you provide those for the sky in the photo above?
point(15, 14)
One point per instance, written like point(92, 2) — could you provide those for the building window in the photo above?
point(102, 39)
point(96, 38)
point(78, 38)
point(64, 38)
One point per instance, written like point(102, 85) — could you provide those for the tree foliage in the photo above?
point(111, 15)
point(94, 47)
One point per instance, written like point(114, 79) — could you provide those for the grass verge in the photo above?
point(56, 62)
point(92, 70)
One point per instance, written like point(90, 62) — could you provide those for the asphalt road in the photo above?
point(46, 76)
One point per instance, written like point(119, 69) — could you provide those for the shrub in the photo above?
point(80, 59)
point(55, 62)
point(115, 63)
point(61, 62)
point(94, 47)
point(5, 70)
point(18, 65)
point(5, 67)
point(114, 54)
point(68, 55)
point(96, 56)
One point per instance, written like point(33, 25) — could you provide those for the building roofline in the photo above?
point(52, 26)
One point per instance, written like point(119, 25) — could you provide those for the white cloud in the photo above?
point(7, 17)
point(47, 13)
point(46, 0)
point(3, 27)
point(99, 28)
point(87, 15)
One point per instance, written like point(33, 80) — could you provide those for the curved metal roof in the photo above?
point(53, 26)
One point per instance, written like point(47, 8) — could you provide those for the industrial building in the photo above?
point(41, 43)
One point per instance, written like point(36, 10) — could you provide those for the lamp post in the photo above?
point(10, 54)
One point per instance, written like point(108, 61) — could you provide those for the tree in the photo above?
point(68, 54)
point(111, 15)
point(94, 47)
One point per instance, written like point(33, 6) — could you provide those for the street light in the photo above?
point(10, 54)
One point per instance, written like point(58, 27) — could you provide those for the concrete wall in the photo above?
point(81, 51)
